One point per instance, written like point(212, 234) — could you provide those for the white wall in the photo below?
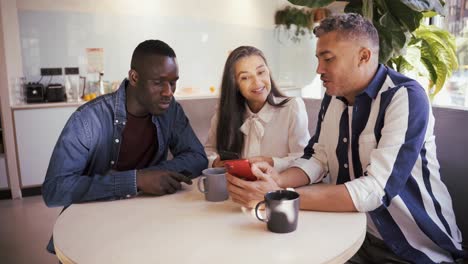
point(56, 34)
point(257, 13)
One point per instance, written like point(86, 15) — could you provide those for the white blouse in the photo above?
point(278, 132)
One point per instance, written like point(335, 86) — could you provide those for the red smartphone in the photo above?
point(240, 168)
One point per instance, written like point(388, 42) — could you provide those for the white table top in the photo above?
point(184, 228)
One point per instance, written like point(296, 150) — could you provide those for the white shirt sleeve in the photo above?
point(365, 192)
point(314, 169)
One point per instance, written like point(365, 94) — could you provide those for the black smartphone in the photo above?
point(189, 176)
point(228, 155)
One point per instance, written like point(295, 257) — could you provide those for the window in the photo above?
point(455, 91)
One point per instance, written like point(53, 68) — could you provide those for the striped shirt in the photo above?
point(391, 151)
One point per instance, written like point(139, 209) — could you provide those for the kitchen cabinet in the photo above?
point(37, 131)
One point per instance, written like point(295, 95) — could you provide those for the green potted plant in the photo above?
point(399, 25)
point(430, 53)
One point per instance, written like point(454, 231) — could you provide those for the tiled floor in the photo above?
point(25, 229)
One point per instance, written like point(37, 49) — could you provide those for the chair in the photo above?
point(450, 129)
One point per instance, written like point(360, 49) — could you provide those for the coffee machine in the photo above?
point(55, 92)
point(35, 92)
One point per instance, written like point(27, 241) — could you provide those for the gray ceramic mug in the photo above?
point(213, 184)
point(282, 211)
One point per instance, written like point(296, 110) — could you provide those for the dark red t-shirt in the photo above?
point(139, 143)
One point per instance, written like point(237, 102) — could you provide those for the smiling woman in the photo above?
point(252, 114)
point(253, 78)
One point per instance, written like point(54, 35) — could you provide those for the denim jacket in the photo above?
point(80, 168)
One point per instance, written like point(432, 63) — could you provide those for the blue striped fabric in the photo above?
point(396, 172)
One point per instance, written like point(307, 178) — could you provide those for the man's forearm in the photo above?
point(60, 190)
point(293, 177)
point(188, 162)
point(326, 197)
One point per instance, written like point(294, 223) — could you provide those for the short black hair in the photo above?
point(150, 47)
point(351, 25)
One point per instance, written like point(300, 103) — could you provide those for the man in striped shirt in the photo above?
point(374, 141)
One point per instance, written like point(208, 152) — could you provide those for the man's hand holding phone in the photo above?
point(249, 193)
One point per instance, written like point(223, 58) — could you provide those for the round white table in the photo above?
point(184, 228)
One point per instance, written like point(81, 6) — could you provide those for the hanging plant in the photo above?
point(303, 19)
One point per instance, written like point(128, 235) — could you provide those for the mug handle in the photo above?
point(257, 213)
point(200, 181)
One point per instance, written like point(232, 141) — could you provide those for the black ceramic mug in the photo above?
point(282, 211)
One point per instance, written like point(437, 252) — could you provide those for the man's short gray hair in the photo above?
point(349, 25)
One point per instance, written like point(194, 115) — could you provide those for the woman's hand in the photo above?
point(218, 162)
point(268, 160)
point(249, 193)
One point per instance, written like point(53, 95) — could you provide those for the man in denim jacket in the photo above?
point(117, 144)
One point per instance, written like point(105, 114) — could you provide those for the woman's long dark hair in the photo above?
point(231, 107)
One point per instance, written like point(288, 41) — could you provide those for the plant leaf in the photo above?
point(430, 68)
point(354, 7)
point(391, 43)
point(429, 14)
point(368, 9)
point(413, 58)
point(408, 18)
point(439, 44)
point(311, 3)
point(389, 22)
point(437, 54)
point(444, 36)
point(441, 77)
point(424, 5)
point(400, 64)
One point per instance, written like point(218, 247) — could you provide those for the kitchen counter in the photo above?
point(45, 105)
point(195, 96)
point(79, 103)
